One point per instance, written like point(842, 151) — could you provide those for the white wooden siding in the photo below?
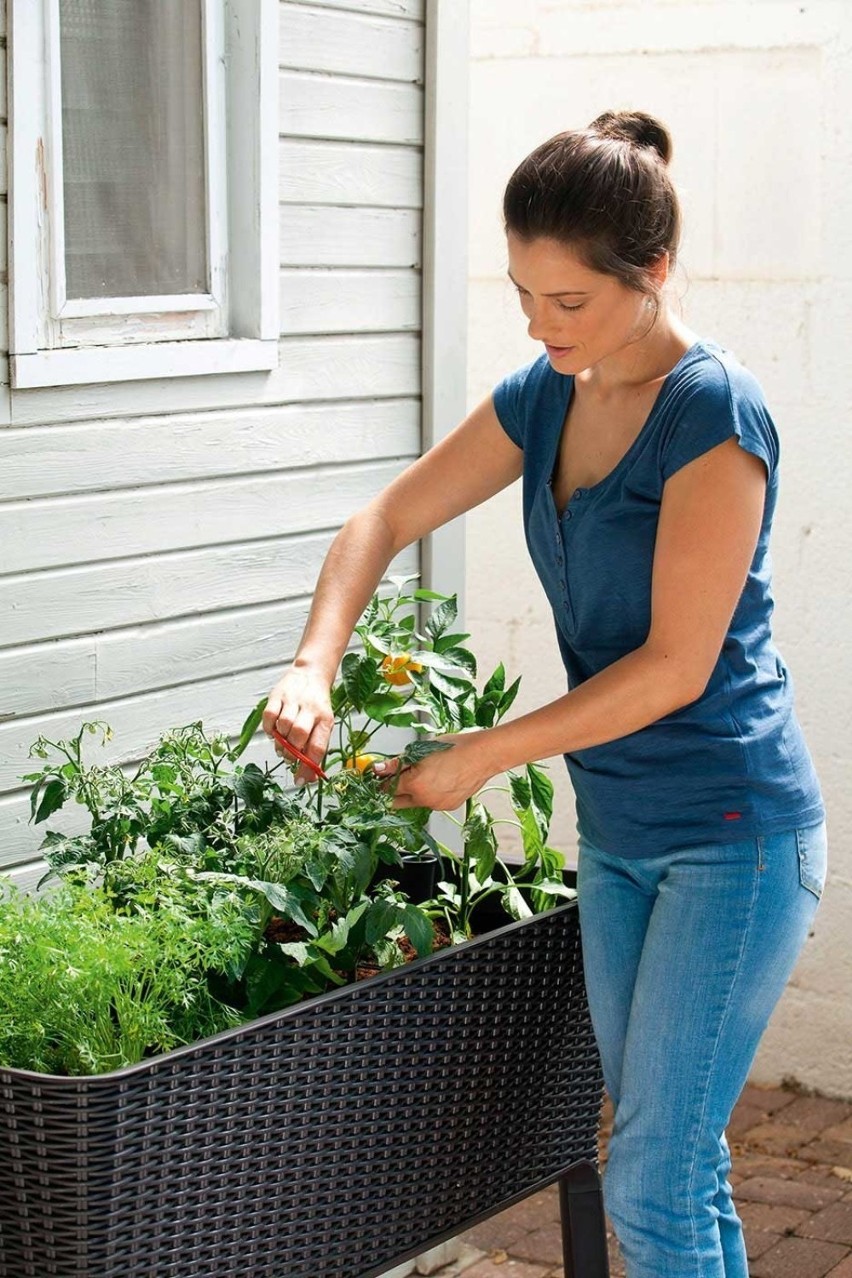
point(159, 541)
point(357, 44)
point(347, 173)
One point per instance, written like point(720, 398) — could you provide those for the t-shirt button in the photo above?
point(578, 492)
point(568, 514)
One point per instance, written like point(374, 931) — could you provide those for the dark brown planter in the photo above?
point(334, 1139)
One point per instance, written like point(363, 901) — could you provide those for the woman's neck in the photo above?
point(640, 363)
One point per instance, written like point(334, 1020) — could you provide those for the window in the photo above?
point(143, 193)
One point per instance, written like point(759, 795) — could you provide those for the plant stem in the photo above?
point(465, 883)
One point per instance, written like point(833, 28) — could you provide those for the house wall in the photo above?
point(758, 95)
point(159, 540)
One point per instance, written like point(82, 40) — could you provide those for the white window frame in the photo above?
point(234, 327)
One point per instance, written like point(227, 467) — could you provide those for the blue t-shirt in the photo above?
point(734, 763)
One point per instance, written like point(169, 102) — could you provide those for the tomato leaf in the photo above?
point(53, 796)
point(419, 930)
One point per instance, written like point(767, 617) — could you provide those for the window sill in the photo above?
point(86, 365)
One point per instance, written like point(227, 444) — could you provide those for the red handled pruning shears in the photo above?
point(300, 755)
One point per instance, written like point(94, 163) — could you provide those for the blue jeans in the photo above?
point(685, 956)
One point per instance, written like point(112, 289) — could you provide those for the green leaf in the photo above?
point(281, 898)
point(443, 642)
point(485, 712)
point(497, 681)
point(555, 889)
point(335, 940)
point(338, 698)
point(249, 728)
point(401, 719)
point(443, 616)
point(39, 779)
point(419, 930)
point(515, 904)
point(360, 678)
point(541, 790)
point(427, 596)
point(249, 785)
point(460, 657)
point(520, 791)
point(508, 697)
point(381, 918)
point(479, 840)
point(298, 950)
point(417, 750)
point(381, 706)
point(531, 835)
point(454, 689)
point(53, 796)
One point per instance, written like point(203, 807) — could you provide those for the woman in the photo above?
point(650, 468)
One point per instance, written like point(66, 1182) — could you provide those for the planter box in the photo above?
point(331, 1140)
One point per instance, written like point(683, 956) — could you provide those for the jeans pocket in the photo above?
point(812, 847)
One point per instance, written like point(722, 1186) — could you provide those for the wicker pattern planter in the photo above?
point(331, 1140)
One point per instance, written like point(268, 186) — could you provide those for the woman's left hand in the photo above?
point(443, 780)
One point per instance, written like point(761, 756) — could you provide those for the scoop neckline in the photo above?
point(593, 489)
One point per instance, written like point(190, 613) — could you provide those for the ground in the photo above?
point(792, 1173)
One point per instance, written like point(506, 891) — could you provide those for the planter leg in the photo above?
point(583, 1224)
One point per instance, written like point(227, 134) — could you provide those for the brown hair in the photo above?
point(605, 191)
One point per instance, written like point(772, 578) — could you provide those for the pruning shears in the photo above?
point(300, 755)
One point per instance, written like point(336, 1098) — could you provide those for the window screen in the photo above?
point(133, 147)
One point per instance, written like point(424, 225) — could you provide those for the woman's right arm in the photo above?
point(468, 466)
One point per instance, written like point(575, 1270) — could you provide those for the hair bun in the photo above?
point(636, 127)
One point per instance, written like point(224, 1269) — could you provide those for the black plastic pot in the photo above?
point(334, 1139)
point(417, 876)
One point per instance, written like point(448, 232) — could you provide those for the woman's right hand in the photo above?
point(299, 707)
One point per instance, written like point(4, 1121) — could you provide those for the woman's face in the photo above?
point(580, 315)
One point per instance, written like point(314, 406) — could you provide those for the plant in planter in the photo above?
point(289, 1142)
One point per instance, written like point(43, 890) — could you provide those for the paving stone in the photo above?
point(754, 1164)
point(837, 1153)
point(506, 1269)
point(767, 1099)
point(532, 1212)
point(798, 1258)
point(787, 1193)
point(742, 1120)
point(843, 1270)
point(819, 1174)
point(783, 1140)
point(542, 1245)
point(833, 1224)
point(840, 1131)
point(496, 1232)
point(772, 1218)
point(757, 1242)
point(815, 1113)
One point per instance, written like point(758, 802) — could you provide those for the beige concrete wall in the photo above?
point(758, 95)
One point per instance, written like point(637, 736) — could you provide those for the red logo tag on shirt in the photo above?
point(732, 816)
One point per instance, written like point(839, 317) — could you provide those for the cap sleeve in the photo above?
point(725, 402)
point(517, 396)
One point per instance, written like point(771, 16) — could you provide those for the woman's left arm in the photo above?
point(710, 519)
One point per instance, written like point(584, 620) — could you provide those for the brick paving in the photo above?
point(792, 1172)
